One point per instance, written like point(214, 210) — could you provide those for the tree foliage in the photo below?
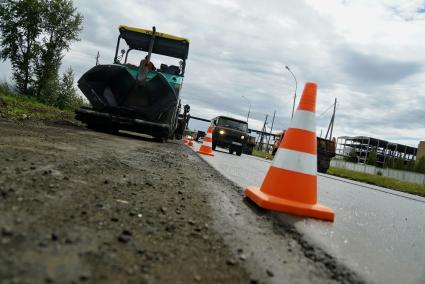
point(371, 158)
point(352, 156)
point(410, 166)
point(20, 29)
point(420, 165)
point(61, 25)
point(35, 34)
point(67, 96)
point(389, 162)
point(399, 164)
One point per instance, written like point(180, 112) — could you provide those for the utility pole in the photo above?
point(249, 110)
point(295, 92)
point(97, 58)
point(264, 130)
point(331, 123)
point(271, 129)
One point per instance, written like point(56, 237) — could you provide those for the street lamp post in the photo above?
point(295, 93)
point(249, 110)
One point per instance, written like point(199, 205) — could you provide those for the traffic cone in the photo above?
point(206, 147)
point(291, 182)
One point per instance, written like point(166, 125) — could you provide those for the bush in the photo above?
point(7, 89)
point(67, 94)
point(371, 159)
point(19, 107)
point(420, 165)
point(352, 156)
point(399, 164)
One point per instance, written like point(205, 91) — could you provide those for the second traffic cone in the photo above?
point(206, 147)
point(291, 182)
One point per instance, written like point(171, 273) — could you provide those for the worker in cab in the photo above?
point(146, 62)
point(145, 66)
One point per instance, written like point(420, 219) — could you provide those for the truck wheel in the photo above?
point(214, 145)
point(239, 151)
point(321, 170)
point(160, 139)
point(230, 150)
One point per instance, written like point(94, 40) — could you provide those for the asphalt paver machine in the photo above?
point(139, 98)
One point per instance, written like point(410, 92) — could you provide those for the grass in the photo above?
point(17, 107)
point(387, 182)
point(261, 154)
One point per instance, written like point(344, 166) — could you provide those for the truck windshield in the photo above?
point(233, 124)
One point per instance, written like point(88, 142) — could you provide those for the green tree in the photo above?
point(399, 164)
point(371, 158)
point(67, 96)
point(420, 165)
point(20, 26)
point(352, 156)
point(410, 166)
point(61, 26)
point(51, 89)
point(389, 162)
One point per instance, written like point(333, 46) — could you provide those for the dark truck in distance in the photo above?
point(325, 151)
point(229, 133)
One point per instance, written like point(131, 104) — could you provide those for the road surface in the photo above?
point(79, 206)
point(378, 233)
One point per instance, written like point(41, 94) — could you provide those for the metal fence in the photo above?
point(363, 168)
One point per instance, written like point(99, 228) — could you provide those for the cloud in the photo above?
point(368, 54)
point(375, 69)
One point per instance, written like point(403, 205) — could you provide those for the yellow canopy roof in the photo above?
point(148, 32)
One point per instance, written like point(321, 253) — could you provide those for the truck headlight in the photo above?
point(221, 132)
point(242, 137)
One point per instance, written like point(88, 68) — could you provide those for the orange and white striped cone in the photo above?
point(291, 182)
point(206, 147)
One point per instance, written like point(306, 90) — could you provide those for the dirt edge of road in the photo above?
point(83, 206)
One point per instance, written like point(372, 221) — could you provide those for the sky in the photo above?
point(370, 55)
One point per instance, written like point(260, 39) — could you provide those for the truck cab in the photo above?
point(229, 133)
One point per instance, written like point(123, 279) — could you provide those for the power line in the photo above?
point(328, 109)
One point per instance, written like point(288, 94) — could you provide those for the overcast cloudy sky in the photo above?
point(368, 54)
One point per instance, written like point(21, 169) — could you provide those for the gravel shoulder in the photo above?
point(83, 206)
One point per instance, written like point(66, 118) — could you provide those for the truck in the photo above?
point(229, 133)
point(249, 145)
point(200, 135)
point(326, 149)
point(137, 97)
